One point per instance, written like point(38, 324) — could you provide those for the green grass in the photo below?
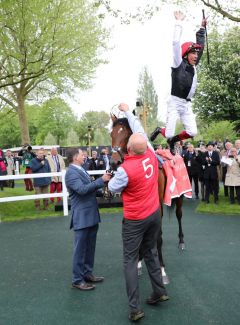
point(22, 210)
point(25, 210)
point(223, 206)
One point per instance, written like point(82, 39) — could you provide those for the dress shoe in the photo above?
point(155, 133)
point(154, 298)
point(94, 279)
point(83, 286)
point(136, 315)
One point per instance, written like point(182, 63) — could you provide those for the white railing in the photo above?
point(64, 194)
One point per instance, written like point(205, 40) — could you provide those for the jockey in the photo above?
point(184, 80)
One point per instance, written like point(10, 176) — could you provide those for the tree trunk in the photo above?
point(23, 123)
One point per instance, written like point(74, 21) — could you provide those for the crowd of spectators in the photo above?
point(43, 161)
point(212, 163)
point(207, 165)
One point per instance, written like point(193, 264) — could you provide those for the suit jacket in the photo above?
point(210, 171)
point(53, 168)
point(82, 191)
point(192, 163)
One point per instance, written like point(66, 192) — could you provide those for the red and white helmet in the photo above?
point(188, 47)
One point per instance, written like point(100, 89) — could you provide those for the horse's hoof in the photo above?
point(165, 280)
point(181, 247)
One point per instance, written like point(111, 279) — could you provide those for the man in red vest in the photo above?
point(137, 179)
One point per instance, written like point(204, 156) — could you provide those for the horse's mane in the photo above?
point(121, 121)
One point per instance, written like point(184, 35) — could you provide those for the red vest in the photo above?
point(140, 197)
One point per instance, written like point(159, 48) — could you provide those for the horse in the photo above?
point(120, 134)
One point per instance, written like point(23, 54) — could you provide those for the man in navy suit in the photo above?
point(211, 160)
point(84, 219)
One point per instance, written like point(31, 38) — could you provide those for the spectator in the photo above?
point(103, 160)
point(232, 179)
point(3, 168)
point(93, 161)
point(237, 146)
point(10, 167)
point(56, 164)
point(192, 163)
point(40, 165)
point(27, 155)
point(84, 219)
point(86, 160)
point(201, 159)
point(137, 179)
point(225, 153)
point(211, 161)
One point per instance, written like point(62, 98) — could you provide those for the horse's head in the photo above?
point(120, 134)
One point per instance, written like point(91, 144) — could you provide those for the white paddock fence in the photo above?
point(64, 194)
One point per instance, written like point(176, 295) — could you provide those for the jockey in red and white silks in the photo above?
point(184, 81)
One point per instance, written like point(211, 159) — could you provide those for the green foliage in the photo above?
point(72, 139)
point(55, 117)
point(9, 130)
point(47, 48)
point(218, 131)
point(49, 140)
point(98, 122)
point(218, 93)
point(148, 96)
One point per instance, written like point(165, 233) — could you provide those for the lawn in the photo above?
point(223, 206)
point(25, 210)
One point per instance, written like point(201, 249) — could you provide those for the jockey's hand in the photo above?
point(204, 22)
point(123, 107)
point(179, 15)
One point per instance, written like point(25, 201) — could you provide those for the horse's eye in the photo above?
point(120, 130)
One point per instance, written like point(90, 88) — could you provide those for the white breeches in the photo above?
point(179, 108)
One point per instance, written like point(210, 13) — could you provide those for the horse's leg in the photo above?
point(160, 256)
point(179, 203)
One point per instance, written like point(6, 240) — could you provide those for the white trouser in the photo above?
point(179, 108)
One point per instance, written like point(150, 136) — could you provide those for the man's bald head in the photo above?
point(137, 144)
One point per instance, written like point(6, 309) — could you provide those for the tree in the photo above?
point(218, 93)
point(227, 9)
point(72, 139)
point(55, 117)
point(47, 47)
point(9, 130)
point(149, 98)
point(218, 131)
point(97, 120)
point(50, 140)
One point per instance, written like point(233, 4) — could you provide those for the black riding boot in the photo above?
point(155, 133)
point(171, 142)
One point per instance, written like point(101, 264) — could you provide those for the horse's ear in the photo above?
point(134, 113)
point(113, 117)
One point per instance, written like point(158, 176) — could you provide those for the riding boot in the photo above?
point(156, 132)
